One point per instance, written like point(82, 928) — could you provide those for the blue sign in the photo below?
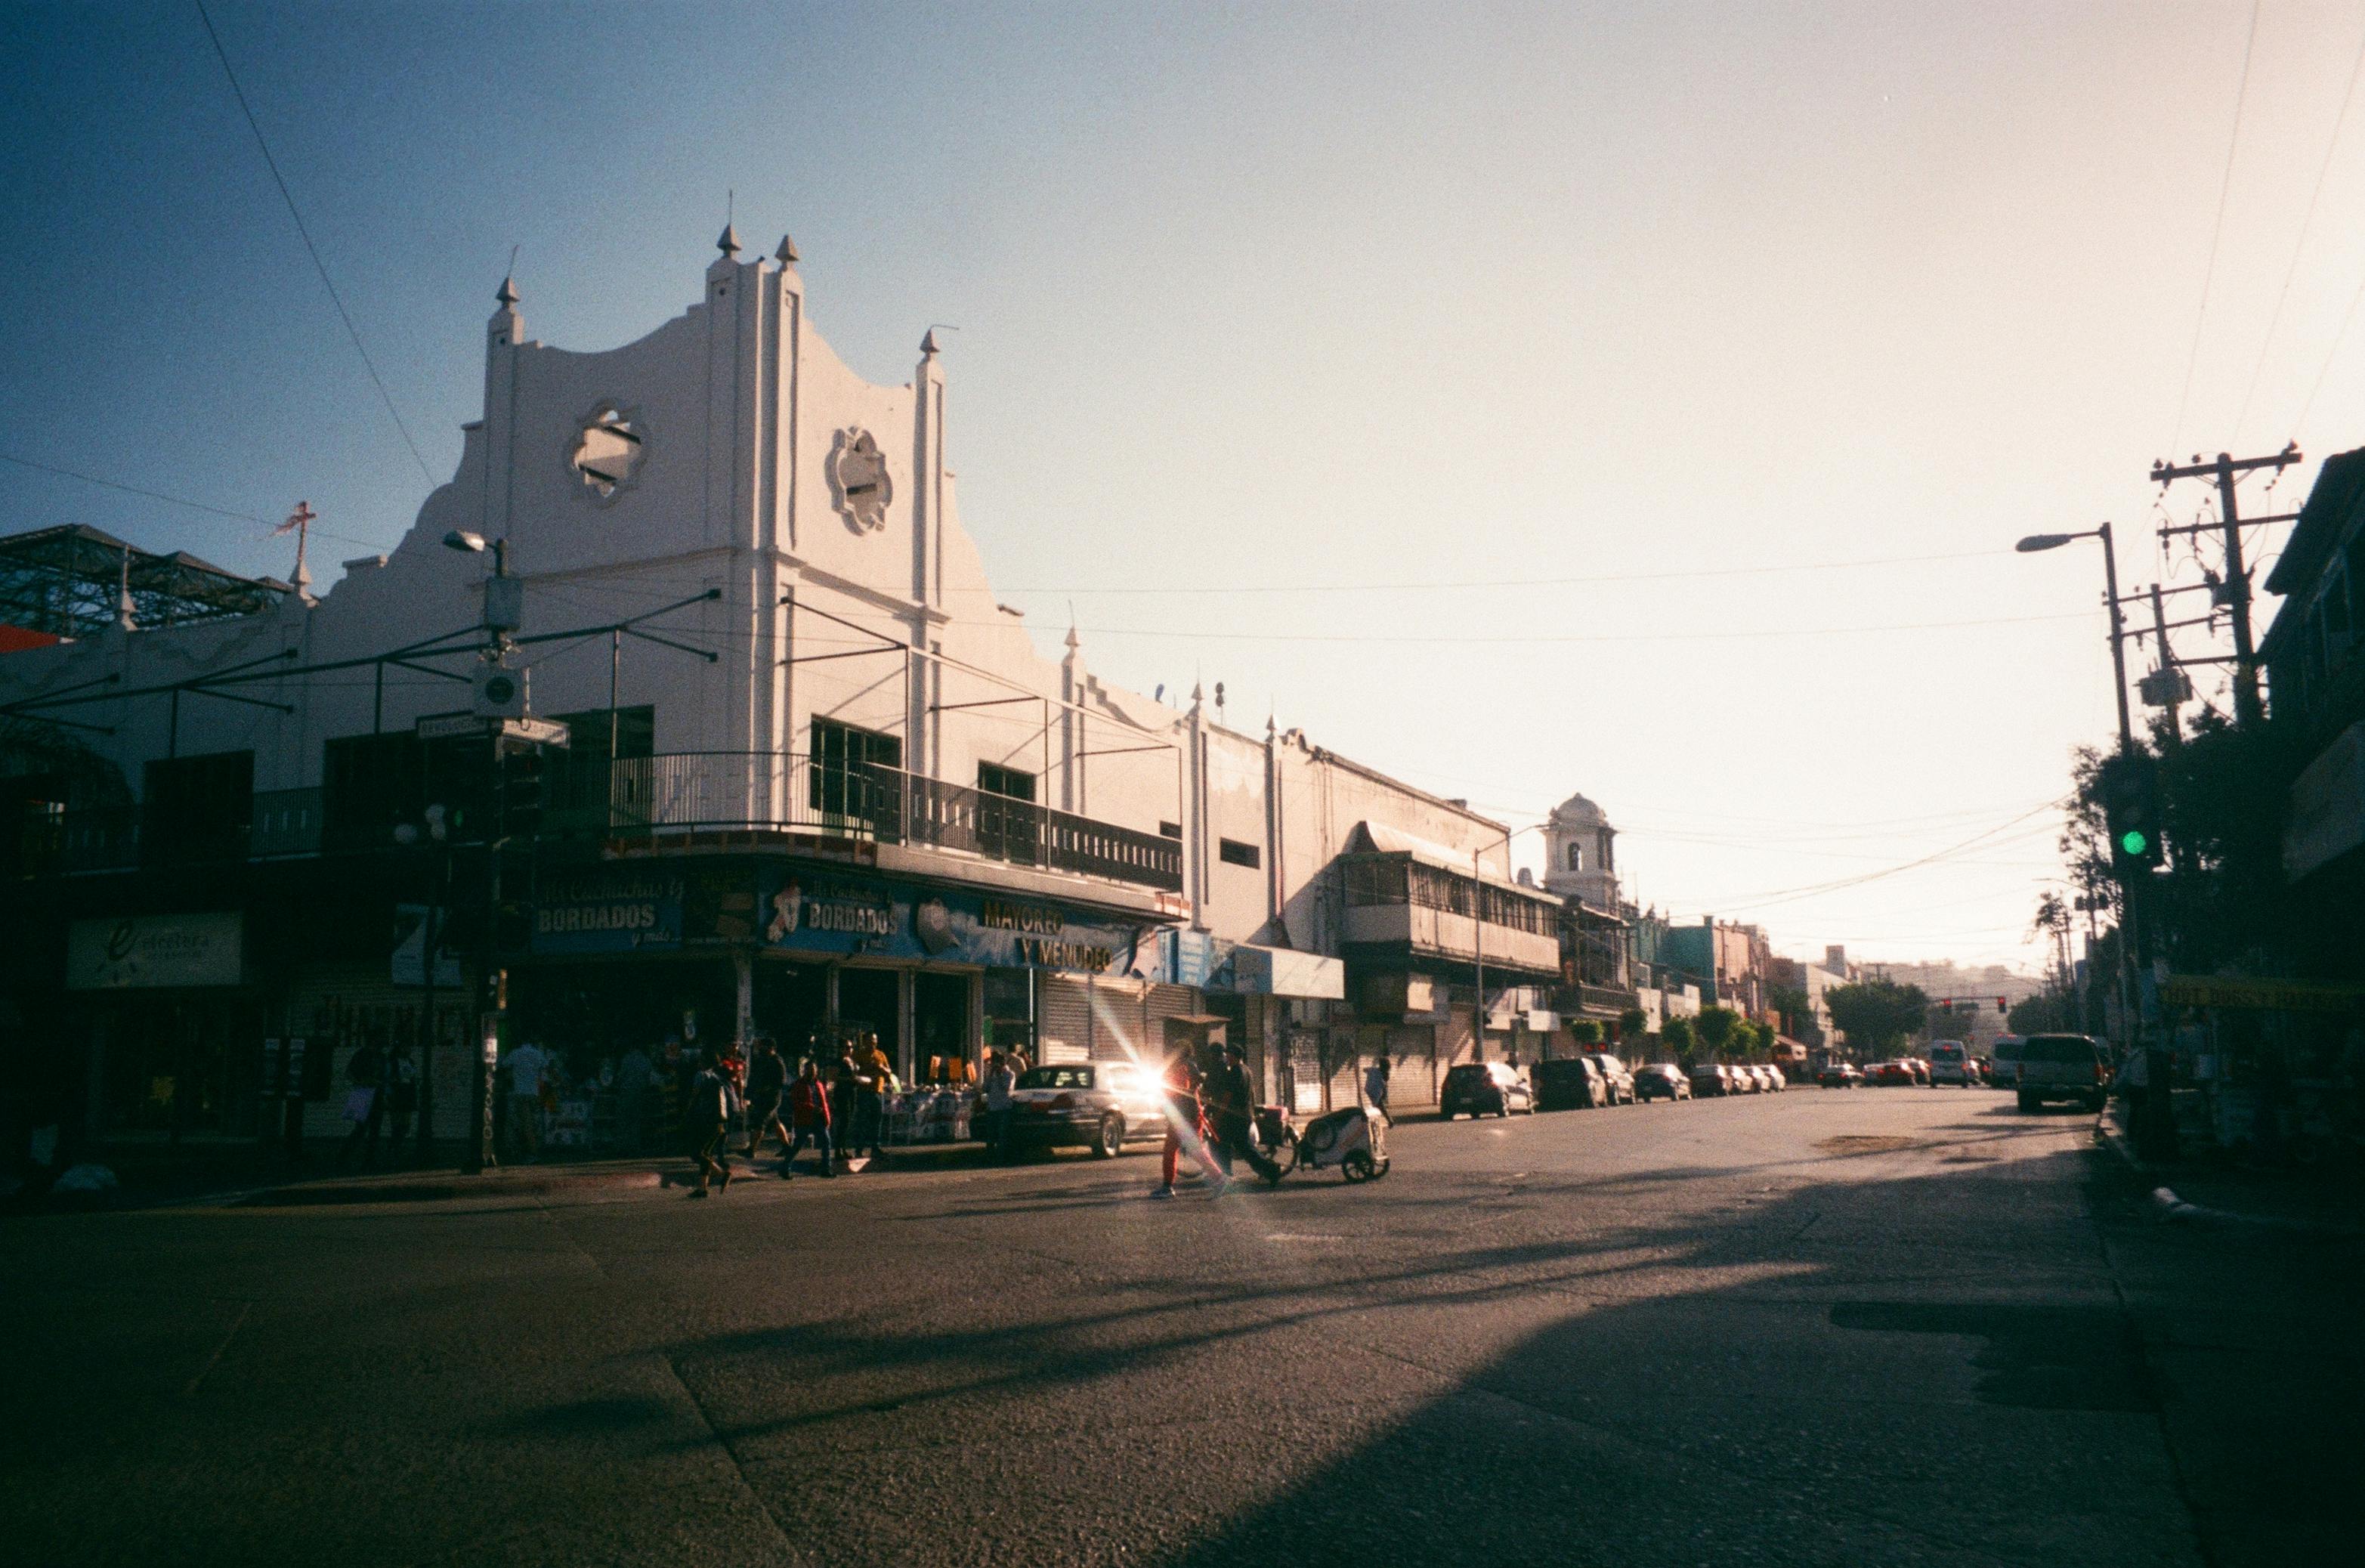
point(821, 911)
point(609, 910)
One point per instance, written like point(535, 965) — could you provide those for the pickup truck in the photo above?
point(2063, 1067)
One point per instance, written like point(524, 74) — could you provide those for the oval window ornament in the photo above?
point(857, 473)
point(609, 446)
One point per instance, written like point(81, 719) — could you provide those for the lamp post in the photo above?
point(2156, 1126)
point(503, 605)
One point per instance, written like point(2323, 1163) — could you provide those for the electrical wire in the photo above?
point(2216, 232)
point(1525, 582)
point(311, 249)
point(172, 500)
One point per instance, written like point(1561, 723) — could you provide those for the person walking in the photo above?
point(365, 1104)
point(528, 1065)
point(707, 1112)
point(768, 1084)
point(874, 1080)
point(808, 1117)
point(1186, 1126)
point(1232, 1111)
point(999, 1079)
point(1375, 1088)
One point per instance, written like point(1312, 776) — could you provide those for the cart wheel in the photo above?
point(1358, 1166)
point(1383, 1171)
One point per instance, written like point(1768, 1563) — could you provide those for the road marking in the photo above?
point(189, 1389)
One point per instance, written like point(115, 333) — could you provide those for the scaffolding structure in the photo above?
point(74, 580)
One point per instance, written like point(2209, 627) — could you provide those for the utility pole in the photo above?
point(2171, 686)
point(2247, 711)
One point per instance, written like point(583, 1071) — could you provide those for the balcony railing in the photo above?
point(657, 796)
point(742, 790)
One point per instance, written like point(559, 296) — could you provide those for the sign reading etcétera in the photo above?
point(143, 951)
point(821, 913)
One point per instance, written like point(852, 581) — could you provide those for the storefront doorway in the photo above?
point(940, 1028)
point(791, 1005)
point(869, 1001)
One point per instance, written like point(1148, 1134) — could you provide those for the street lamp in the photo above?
point(2040, 542)
point(2156, 1127)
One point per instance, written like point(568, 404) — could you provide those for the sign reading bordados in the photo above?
point(618, 911)
point(142, 951)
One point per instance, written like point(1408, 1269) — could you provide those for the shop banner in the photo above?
point(608, 910)
point(409, 963)
point(152, 950)
point(827, 914)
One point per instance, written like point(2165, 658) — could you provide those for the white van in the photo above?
point(2003, 1062)
point(1950, 1062)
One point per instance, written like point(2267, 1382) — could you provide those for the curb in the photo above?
point(2174, 1210)
point(434, 1189)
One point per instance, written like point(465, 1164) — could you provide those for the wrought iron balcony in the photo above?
point(770, 791)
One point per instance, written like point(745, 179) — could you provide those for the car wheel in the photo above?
point(2028, 1102)
point(1108, 1138)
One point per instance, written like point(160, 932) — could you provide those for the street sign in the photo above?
point(529, 732)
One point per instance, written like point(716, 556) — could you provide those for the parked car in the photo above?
point(1712, 1080)
point(1776, 1079)
point(1661, 1081)
point(1616, 1075)
point(1886, 1074)
point(1918, 1068)
point(1484, 1088)
point(1102, 1106)
point(1568, 1084)
point(1745, 1081)
point(2076, 1067)
point(1950, 1062)
point(1841, 1075)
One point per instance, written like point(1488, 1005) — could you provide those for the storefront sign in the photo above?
point(410, 965)
point(2268, 995)
point(142, 951)
point(618, 911)
point(826, 913)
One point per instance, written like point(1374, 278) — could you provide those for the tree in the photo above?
point(1586, 1032)
point(1681, 1038)
point(1790, 1005)
point(1875, 1014)
point(2055, 1010)
point(1717, 1027)
point(1632, 1023)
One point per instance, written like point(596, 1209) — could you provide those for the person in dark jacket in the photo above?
point(1231, 1112)
point(767, 1082)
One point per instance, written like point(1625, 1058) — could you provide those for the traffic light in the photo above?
point(2001, 1005)
point(2130, 790)
point(521, 792)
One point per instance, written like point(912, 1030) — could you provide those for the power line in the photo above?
point(2300, 247)
point(2330, 354)
point(1526, 582)
point(2216, 232)
point(169, 500)
point(1631, 637)
point(313, 250)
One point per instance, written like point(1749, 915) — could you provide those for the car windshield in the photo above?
point(2059, 1049)
point(1464, 1072)
point(1056, 1078)
point(1945, 1053)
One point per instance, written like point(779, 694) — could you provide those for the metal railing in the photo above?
point(680, 793)
point(738, 791)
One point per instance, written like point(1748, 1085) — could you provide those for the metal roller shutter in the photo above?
point(1063, 1022)
point(1412, 1065)
point(1118, 1030)
point(1342, 1056)
point(1164, 1001)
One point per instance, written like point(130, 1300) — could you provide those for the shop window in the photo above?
point(1232, 852)
point(197, 807)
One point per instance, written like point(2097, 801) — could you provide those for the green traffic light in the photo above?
point(2133, 842)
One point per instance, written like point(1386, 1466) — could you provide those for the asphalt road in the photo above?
point(1880, 1327)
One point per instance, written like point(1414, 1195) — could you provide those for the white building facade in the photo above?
point(817, 782)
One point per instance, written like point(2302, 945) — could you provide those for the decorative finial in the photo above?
point(508, 294)
point(787, 254)
point(728, 242)
point(928, 343)
point(1074, 641)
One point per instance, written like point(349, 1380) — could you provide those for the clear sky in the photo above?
point(1634, 400)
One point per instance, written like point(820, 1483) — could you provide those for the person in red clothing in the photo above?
point(809, 1115)
point(1186, 1125)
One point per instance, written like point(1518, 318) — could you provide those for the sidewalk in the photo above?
point(250, 1175)
point(2211, 1186)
